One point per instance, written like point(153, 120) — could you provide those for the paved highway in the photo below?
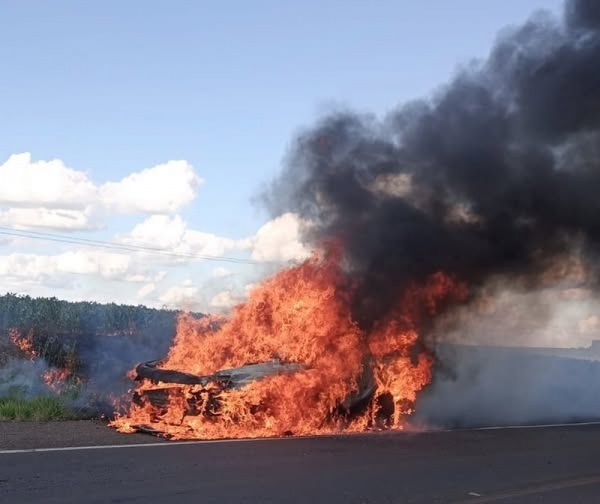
point(549, 465)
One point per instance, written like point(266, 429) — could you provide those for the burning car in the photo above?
point(201, 395)
point(291, 360)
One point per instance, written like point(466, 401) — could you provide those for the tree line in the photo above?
point(53, 316)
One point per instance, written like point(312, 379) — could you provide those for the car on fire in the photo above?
point(203, 397)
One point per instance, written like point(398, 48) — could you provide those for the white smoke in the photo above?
point(517, 358)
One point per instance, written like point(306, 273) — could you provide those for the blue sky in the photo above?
point(112, 88)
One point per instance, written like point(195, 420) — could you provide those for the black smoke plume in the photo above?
point(497, 174)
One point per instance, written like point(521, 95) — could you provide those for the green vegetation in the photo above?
point(59, 329)
point(89, 346)
point(42, 408)
point(54, 316)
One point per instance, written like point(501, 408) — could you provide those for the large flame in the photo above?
point(302, 314)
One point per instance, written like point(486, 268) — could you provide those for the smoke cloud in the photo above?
point(494, 178)
point(497, 174)
point(489, 386)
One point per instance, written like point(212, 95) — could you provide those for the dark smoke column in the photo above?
point(583, 14)
point(497, 174)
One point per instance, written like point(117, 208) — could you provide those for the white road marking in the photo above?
point(341, 434)
point(142, 445)
point(539, 426)
point(532, 490)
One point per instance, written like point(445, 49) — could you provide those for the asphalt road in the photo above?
point(28, 435)
point(547, 465)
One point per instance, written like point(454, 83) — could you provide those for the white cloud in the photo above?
point(138, 278)
point(159, 275)
point(65, 219)
point(49, 194)
point(62, 269)
point(280, 240)
point(162, 189)
point(220, 272)
point(248, 288)
point(157, 231)
point(197, 242)
point(38, 268)
point(225, 300)
point(7, 240)
point(48, 184)
point(172, 234)
point(182, 297)
point(13, 241)
point(94, 262)
point(146, 290)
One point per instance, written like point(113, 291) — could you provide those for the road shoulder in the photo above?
point(56, 434)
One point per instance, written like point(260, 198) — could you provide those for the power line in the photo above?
point(54, 237)
point(126, 248)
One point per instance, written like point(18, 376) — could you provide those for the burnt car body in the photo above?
point(203, 397)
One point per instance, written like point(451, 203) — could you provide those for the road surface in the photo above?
point(531, 465)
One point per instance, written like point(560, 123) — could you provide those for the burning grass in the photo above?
point(77, 352)
point(38, 383)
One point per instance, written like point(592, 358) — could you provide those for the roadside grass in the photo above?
point(14, 407)
point(38, 409)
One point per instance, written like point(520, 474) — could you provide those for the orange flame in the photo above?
point(24, 343)
point(58, 379)
point(302, 314)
